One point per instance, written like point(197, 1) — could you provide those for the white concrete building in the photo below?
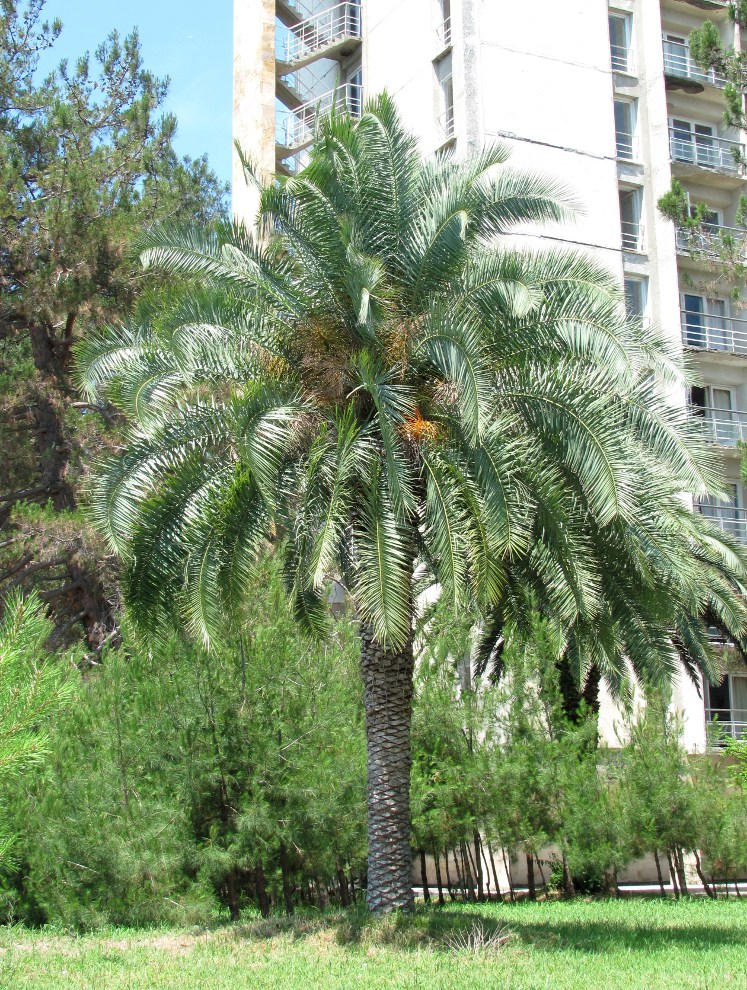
point(603, 96)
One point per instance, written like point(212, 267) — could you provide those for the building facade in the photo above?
point(604, 97)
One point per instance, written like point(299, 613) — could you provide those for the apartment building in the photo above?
point(602, 96)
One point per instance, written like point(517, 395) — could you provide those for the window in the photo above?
point(620, 34)
point(443, 29)
point(696, 144)
point(635, 297)
point(727, 704)
point(625, 120)
point(716, 404)
point(630, 220)
point(445, 99)
point(355, 92)
point(705, 323)
point(728, 515)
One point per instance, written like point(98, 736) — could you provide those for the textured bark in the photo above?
point(388, 692)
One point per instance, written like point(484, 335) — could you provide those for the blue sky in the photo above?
point(188, 40)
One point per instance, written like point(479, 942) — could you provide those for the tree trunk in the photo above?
point(342, 883)
point(507, 866)
point(569, 889)
point(658, 873)
point(679, 860)
point(478, 866)
point(467, 867)
point(673, 875)
point(424, 878)
point(494, 871)
point(232, 895)
point(711, 891)
point(388, 692)
point(439, 881)
point(285, 871)
point(261, 890)
point(449, 884)
point(531, 886)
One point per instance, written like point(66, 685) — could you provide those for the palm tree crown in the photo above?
point(375, 376)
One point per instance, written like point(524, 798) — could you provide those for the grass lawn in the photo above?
point(626, 945)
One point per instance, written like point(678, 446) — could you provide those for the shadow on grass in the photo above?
point(449, 929)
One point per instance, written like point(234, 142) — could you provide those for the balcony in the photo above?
point(622, 60)
point(331, 33)
point(706, 151)
point(725, 426)
point(446, 127)
point(294, 129)
point(633, 238)
point(626, 146)
point(705, 332)
point(679, 65)
point(727, 518)
point(443, 35)
point(713, 241)
point(726, 723)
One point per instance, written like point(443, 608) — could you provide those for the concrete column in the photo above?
point(253, 97)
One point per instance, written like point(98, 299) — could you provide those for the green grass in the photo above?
point(621, 945)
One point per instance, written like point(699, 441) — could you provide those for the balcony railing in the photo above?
point(446, 124)
point(705, 332)
point(621, 59)
point(632, 236)
point(705, 151)
point(294, 129)
point(713, 240)
point(627, 146)
point(726, 426)
point(727, 518)
point(443, 34)
point(678, 62)
point(319, 32)
point(730, 723)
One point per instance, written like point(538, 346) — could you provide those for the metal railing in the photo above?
point(726, 517)
point(705, 151)
point(621, 59)
point(713, 240)
point(443, 34)
point(678, 62)
point(633, 238)
point(713, 333)
point(320, 31)
point(725, 426)
point(446, 124)
point(627, 146)
point(726, 723)
point(294, 129)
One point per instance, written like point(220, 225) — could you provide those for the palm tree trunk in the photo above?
point(388, 691)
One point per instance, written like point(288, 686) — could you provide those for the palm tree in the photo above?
point(374, 381)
